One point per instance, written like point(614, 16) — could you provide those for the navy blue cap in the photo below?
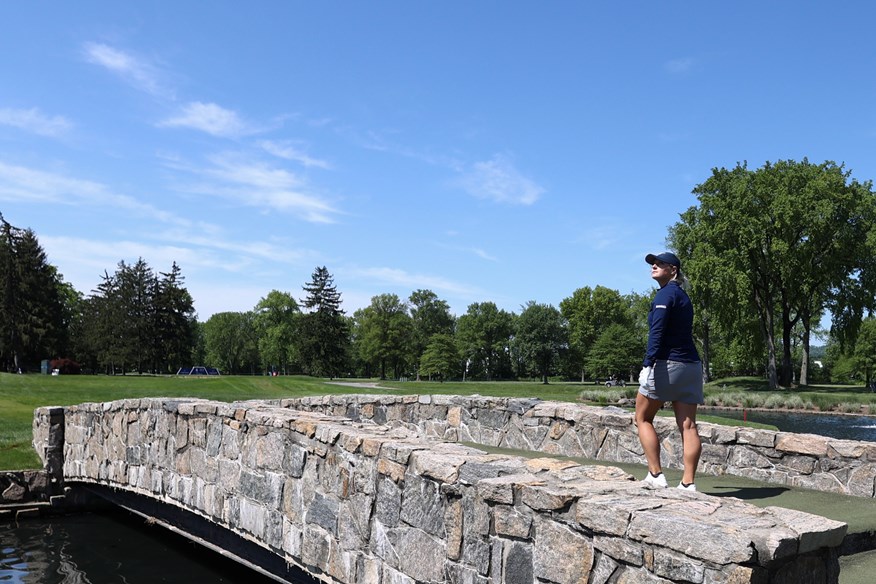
point(665, 257)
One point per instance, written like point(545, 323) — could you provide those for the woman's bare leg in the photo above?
point(686, 418)
point(646, 409)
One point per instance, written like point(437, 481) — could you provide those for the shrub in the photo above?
point(752, 401)
point(66, 366)
point(774, 402)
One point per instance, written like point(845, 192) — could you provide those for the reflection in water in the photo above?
point(109, 549)
point(847, 427)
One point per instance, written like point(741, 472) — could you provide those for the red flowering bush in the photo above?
point(66, 366)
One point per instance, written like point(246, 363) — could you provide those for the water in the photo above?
point(845, 426)
point(110, 548)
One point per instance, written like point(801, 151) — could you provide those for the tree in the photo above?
point(589, 312)
point(797, 232)
point(136, 320)
point(324, 335)
point(719, 293)
point(429, 317)
point(277, 322)
point(230, 340)
point(441, 358)
point(617, 350)
point(484, 334)
point(173, 326)
point(383, 333)
point(540, 337)
point(31, 306)
point(135, 287)
point(865, 349)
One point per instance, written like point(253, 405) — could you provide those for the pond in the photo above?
point(844, 426)
point(108, 548)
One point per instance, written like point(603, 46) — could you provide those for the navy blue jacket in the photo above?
point(670, 327)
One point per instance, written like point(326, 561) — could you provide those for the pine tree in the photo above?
point(31, 307)
point(325, 337)
point(173, 324)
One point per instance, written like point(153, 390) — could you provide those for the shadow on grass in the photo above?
point(748, 493)
point(757, 384)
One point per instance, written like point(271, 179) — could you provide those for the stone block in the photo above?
point(744, 456)
point(620, 549)
point(518, 564)
point(422, 505)
point(802, 444)
point(604, 568)
point(819, 482)
point(388, 503)
point(354, 516)
point(548, 497)
point(815, 532)
point(501, 489)
point(861, 480)
point(509, 522)
point(271, 450)
point(455, 526)
point(677, 567)
point(560, 554)
point(316, 547)
point(436, 465)
point(763, 438)
point(14, 493)
point(421, 555)
point(721, 544)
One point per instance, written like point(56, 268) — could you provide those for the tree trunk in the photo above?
point(786, 376)
point(767, 326)
point(706, 357)
point(804, 365)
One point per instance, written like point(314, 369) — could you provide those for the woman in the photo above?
point(671, 371)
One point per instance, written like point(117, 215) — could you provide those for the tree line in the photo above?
point(597, 332)
point(768, 252)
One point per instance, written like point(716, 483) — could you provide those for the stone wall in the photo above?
point(796, 460)
point(24, 490)
point(358, 502)
point(23, 486)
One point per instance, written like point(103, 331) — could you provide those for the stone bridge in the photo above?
point(378, 490)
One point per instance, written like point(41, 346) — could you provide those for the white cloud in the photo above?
point(19, 184)
point(136, 72)
point(274, 252)
point(287, 151)
point(32, 120)
point(256, 184)
point(393, 276)
point(83, 262)
point(210, 118)
point(679, 66)
point(603, 234)
point(482, 254)
point(499, 181)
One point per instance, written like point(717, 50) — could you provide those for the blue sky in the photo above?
point(503, 151)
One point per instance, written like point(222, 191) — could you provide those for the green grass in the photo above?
point(21, 394)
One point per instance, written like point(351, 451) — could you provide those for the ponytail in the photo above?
point(682, 280)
